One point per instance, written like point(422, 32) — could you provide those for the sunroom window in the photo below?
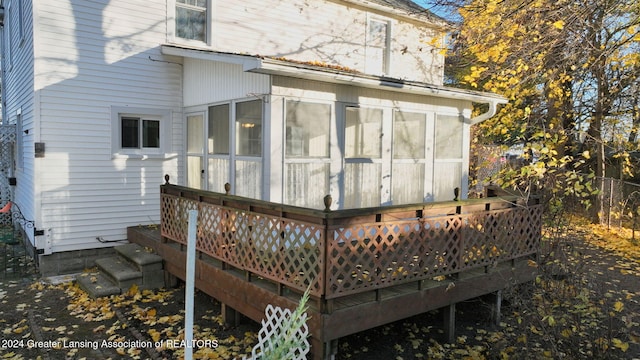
point(308, 128)
point(191, 19)
point(249, 128)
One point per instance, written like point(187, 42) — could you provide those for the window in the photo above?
point(20, 22)
point(249, 128)
point(409, 135)
point(219, 129)
point(409, 157)
point(363, 133)
point(19, 145)
point(8, 49)
point(377, 47)
point(307, 167)
point(448, 137)
point(191, 19)
point(141, 133)
point(307, 129)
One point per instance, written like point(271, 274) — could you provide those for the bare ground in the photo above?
point(584, 305)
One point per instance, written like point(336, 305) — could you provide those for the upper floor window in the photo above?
point(191, 19)
point(377, 46)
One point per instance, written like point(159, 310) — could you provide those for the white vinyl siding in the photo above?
point(18, 103)
point(94, 59)
point(325, 32)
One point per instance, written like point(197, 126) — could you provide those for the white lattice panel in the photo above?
point(274, 331)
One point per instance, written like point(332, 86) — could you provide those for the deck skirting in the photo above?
point(332, 319)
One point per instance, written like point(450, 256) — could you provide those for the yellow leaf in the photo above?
point(155, 335)
point(133, 290)
point(618, 306)
point(620, 345)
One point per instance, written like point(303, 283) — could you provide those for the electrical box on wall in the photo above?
point(39, 150)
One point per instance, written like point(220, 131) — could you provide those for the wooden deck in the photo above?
point(365, 267)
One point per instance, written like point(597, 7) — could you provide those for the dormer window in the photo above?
point(191, 19)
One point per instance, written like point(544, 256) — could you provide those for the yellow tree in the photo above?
point(560, 64)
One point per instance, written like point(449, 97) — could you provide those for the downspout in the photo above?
point(493, 109)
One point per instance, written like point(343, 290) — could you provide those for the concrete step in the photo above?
point(144, 260)
point(121, 273)
point(97, 285)
point(149, 264)
point(132, 265)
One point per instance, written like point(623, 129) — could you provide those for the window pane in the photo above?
point(377, 51)
point(195, 134)
point(130, 136)
point(249, 128)
point(407, 183)
point(363, 133)
point(409, 135)
point(362, 183)
point(377, 33)
point(191, 23)
point(448, 137)
point(307, 129)
point(151, 133)
point(219, 129)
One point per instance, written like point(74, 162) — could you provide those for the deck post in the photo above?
point(230, 316)
point(497, 308)
point(450, 322)
point(330, 349)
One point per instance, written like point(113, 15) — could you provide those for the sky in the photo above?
point(427, 4)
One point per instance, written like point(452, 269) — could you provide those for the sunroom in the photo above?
point(292, 133)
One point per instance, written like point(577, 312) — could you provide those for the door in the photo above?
point(196, 171)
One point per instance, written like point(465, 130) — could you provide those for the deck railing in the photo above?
point(346, 252)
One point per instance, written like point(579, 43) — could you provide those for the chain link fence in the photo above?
point(621, 199)
point(621, 205)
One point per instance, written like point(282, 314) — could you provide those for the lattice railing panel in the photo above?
point(277, 248)
point(360, 256)
point(381, 254)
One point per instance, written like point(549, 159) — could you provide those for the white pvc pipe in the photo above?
point(190, 283)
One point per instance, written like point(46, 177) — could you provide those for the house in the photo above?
point(287, 101)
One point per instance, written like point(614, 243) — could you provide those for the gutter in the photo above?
point(276, 67)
